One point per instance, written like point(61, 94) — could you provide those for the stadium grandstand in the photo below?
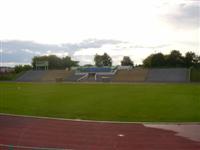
point(107, 74)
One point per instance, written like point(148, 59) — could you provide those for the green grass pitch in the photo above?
point(114, 102)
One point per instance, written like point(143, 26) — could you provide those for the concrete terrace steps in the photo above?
point(134, 75)
point(168, 75)
point(153, 75)
point(31, 76)
point(44, 75)
point(52, 75)
point(73, 77)
point(104, 78)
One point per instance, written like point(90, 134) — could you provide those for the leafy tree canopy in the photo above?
point(55, 62)
point(174, 59)
point(20, 68)
point(103, 60)
point(127, 61)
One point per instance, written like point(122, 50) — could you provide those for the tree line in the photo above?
point(174, 59)
point(66, 62)
point(106, 60)
point(55, 62)
point(157, 60)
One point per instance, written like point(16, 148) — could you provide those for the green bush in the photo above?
point(6, 76)
point(10, 76)
point(21, 68)
point(195, 75)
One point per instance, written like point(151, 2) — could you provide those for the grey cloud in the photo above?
point(90, 43)
point(151, 47)
point(23, 51)
point(186, 16)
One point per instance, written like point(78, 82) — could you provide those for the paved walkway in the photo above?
point(35, 133)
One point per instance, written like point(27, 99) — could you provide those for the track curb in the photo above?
point(99, 121)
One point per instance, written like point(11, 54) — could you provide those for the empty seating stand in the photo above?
point(53, 75)
point(31, 76)
point(44, 76)
point(73, 77)
point(104, 78)
point(133, 75)
point(168, 75)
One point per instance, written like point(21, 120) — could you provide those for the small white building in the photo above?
point(124, 67)
point(6, 69)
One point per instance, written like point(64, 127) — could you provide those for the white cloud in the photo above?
point(117, 52)
point(59, 54)
point(12, 64)
point(31, 52)
point(184, 15)
point(65, 25)
point(60, 21)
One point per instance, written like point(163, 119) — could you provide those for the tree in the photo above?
point(103, 60)
point(55, 62)
point(27, 67)
point(20, 68)
point(175, 59)
point(190, 59)
point(68, 63)
point(158, 60)
point(126, 61)
point(197, 61)
point(147, 61)
point(98, 60)
point(155, 61)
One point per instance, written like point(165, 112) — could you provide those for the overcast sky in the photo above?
point(82, 28)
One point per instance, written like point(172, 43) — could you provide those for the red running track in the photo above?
point(79, 135)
